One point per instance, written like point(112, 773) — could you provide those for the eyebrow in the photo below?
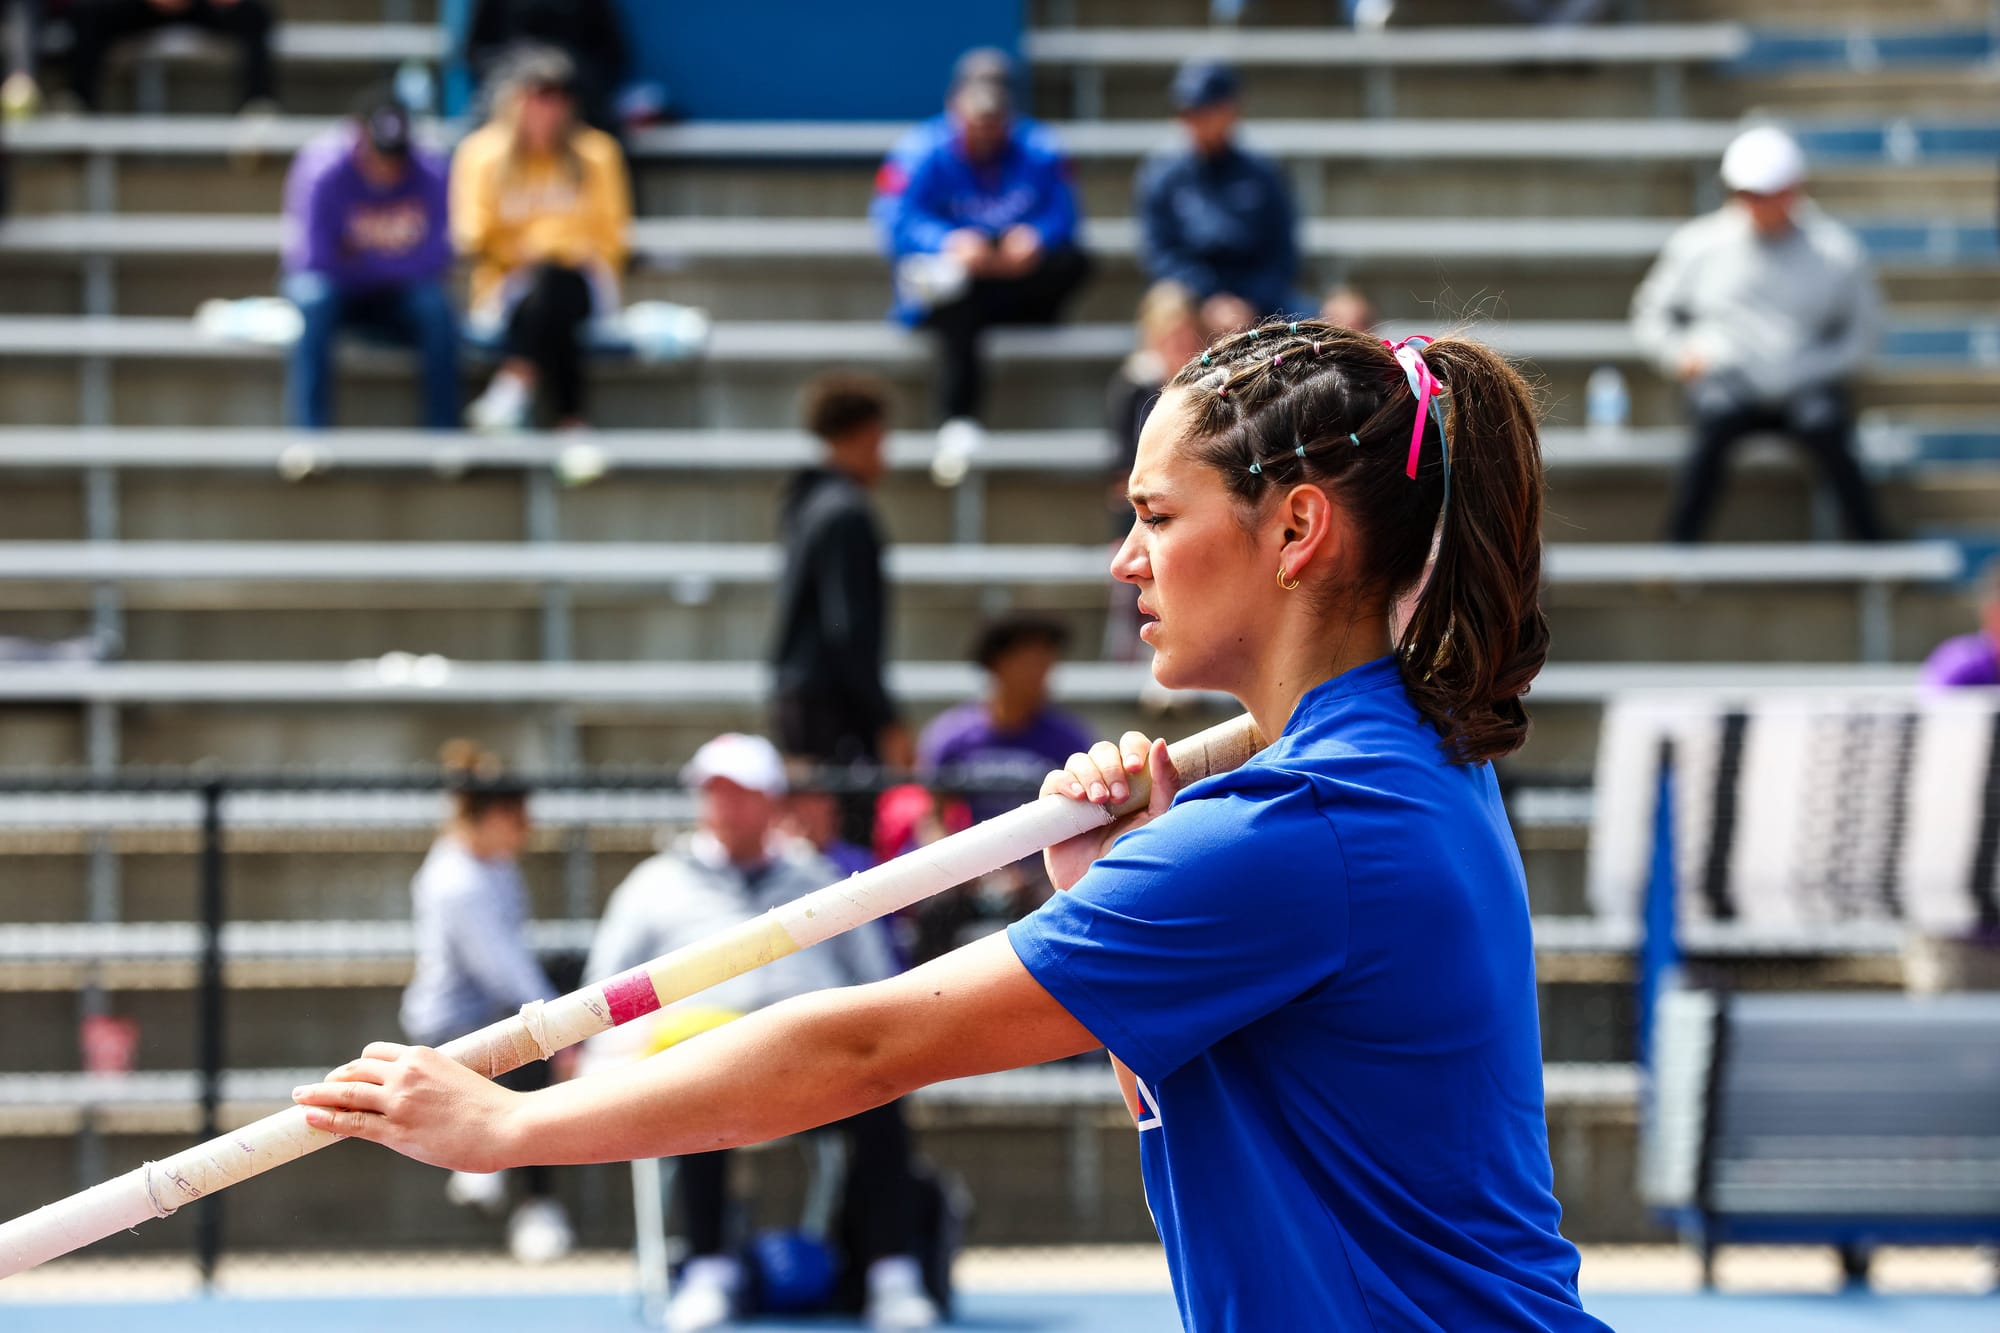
point(1136, 498)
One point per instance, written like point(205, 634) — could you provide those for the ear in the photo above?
point(1308, 527)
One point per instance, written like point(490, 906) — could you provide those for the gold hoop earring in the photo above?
point(1281, 580)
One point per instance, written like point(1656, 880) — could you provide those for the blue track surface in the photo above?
point(986, 1313)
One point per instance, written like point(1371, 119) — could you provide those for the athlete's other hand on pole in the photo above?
point(1104, 776)
point(422, 1104)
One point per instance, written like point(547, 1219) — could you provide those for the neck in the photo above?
point(844, 462)
point(1295, 663)
point(1010, 714)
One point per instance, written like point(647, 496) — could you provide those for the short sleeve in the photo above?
point(1220, 911)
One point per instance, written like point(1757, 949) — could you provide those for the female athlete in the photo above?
point(1315, 973)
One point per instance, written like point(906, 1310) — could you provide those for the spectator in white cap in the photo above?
point(736, 865)
point(1763, 310)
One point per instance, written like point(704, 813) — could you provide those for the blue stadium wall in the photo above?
point(792, 60)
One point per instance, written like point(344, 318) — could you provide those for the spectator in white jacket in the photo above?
point(1763, 311)
point(737, 865)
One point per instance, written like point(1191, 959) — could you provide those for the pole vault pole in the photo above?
point(157, 1189)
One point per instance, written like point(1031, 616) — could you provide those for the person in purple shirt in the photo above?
point(1972, 659)
point(368, 248)
point(1003, 739)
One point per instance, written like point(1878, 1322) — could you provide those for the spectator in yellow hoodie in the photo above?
point(541, 205)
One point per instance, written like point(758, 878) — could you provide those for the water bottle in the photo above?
point(1607, 404)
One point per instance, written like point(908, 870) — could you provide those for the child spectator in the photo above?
point(978, 214)
point(98, 25)
point(474, 966)
point(541, 205)
point(368, 246)
point(1763, 310)
point(1214, 217)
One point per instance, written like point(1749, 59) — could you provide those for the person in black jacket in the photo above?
point(1216, 218)
point(831, 704)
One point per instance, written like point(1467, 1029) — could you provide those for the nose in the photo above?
point(1131, 564)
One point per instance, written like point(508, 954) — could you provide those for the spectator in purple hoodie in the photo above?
point(1972, 659)
point(368, 248)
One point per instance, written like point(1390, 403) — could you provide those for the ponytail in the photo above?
point(1312, 401)
point(1478, 636)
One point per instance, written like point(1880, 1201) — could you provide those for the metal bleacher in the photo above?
point(151, 498)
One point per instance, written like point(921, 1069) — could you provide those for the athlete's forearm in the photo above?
point(806, 1062)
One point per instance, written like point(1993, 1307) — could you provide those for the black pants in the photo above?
point(545, 329)
point(100, 24)
point(1036, 297)
point(881, 1190)
point(1819, 417)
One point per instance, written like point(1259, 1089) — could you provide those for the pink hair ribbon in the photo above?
point(1425, 387)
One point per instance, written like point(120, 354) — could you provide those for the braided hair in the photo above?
point(1283, 403)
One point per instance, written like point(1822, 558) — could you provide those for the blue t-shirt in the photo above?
point(1320, 969)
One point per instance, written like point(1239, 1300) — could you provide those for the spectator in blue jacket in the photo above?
point(978, 214)
point(1214, 218)
point(368, 246)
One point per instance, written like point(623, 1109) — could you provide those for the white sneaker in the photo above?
point(958, 440)
point(539, 1232)
point(503, 408)
point(896, 1297)
point(706, 1296)
point(486, 1192)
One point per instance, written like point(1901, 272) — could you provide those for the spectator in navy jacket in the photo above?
point(978, 214)
point(1214, 218)
point(368, 246)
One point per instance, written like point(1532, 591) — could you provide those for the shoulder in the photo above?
point(1162, 168)
point(322, 155)
point(599, 150)
point(1039, 142)
point(1257, 164)
point(480, 148)
point(1703, 233)
point(1832, 238)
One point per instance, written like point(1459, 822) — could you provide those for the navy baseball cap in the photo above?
point(384, 121)
point(1203, 83)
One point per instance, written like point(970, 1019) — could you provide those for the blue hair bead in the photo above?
point(1356, 438)
point(1256, 469)
point(1295, 326)
point(1253, 332)
point(1205, 359)
point(1299, 449)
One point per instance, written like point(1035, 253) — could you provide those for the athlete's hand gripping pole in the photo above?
point(157, 1189)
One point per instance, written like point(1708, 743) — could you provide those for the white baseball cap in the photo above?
point(748, 761)
point(1763, 160)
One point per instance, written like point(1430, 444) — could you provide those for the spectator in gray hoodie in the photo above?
point(1763, 310)
point(737, 865)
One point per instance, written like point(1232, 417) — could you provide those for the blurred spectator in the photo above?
point(1972, 659)
point(474, 966)
point(978, 213)
point(1350, 308)
point(541, 205)
point(368, 246)
point(734, 867)
point(814, 817)
point(587, 31)
point(1011, 739)
point(1215, 218)
point(1014, 734)
point(832, 705)
point(1764, 310)
point(98, 25)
